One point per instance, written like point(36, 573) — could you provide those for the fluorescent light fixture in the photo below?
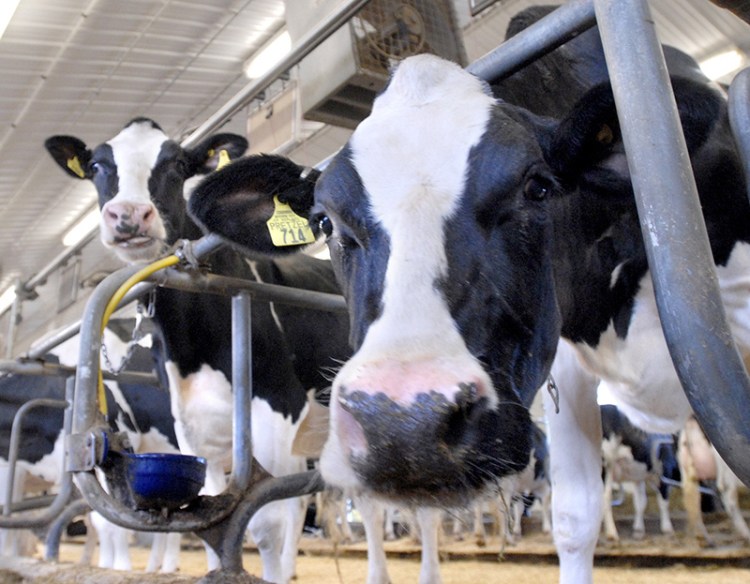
point(7, 298)
point(275, 50)
point(722, 64)
point(7, 9)
point(82, 228)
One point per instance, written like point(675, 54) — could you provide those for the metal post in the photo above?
point(242, 387)
point(690, 307)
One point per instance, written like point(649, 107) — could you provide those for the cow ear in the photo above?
point(214, 151)
point(259, 202)
point(587, 144)
point(71, 154)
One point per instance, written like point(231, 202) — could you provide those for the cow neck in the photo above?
point(598, 266)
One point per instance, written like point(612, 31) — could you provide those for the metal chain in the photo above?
point(143, 311)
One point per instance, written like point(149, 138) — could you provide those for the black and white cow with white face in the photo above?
point(467, 234)
point(139, 175)
point(426, 410)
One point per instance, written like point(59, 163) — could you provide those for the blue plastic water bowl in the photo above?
point(159, 481)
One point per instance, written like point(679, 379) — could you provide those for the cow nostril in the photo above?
point(463, 420)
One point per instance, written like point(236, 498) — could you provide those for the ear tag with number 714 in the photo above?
point(286, 227)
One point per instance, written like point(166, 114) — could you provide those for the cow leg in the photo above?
point(373, 516)
point(428, 519)
point(480, 535)
point(172, 548)
point(575, 438)
point(390, 516)
point(267, 530)
point(665, 521)
point(215, 484)
point(89, 545)
point(508, 492)
point(608, 520)
point(517, 508)
point(691, 497)
point(10, 539)
point(639, 507)
point(157, 552)
point(545, 495)
point(114, 547)
point(295, 521)
point(728, 483)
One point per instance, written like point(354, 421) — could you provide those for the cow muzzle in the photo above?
point(435, 446)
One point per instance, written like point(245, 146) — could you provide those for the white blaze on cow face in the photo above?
point(412, 166)
point(130, 223)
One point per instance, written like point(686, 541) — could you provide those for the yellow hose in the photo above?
point(117, 297)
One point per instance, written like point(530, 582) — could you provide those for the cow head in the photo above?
point(439, 219)
point(139, 176)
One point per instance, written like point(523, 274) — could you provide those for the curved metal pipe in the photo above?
point(679, 255)
point(66, 484)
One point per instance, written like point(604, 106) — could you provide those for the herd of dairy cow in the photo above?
point(485, 238)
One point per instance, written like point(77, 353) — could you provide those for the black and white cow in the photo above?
point(139, 175)
point(468, 235)
point(141, 411)
point(637, 458)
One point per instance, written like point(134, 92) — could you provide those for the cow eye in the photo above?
point(536, 189)
point(325, 225)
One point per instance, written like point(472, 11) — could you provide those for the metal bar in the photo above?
point(15, 439)
point(44, 369)
point(739, 118)
point(55, 531)
point(242, 392)
point(66, 483)
point(687, 295)
point(543, 36)
point(214, 284)
point(330, 24)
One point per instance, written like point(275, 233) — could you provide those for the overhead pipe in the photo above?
point(545, 35)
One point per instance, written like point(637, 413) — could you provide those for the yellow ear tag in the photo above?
point(223, 159)
point(74, 165)
point(286, 227)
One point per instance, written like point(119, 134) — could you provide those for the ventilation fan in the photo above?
point(339, 80)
